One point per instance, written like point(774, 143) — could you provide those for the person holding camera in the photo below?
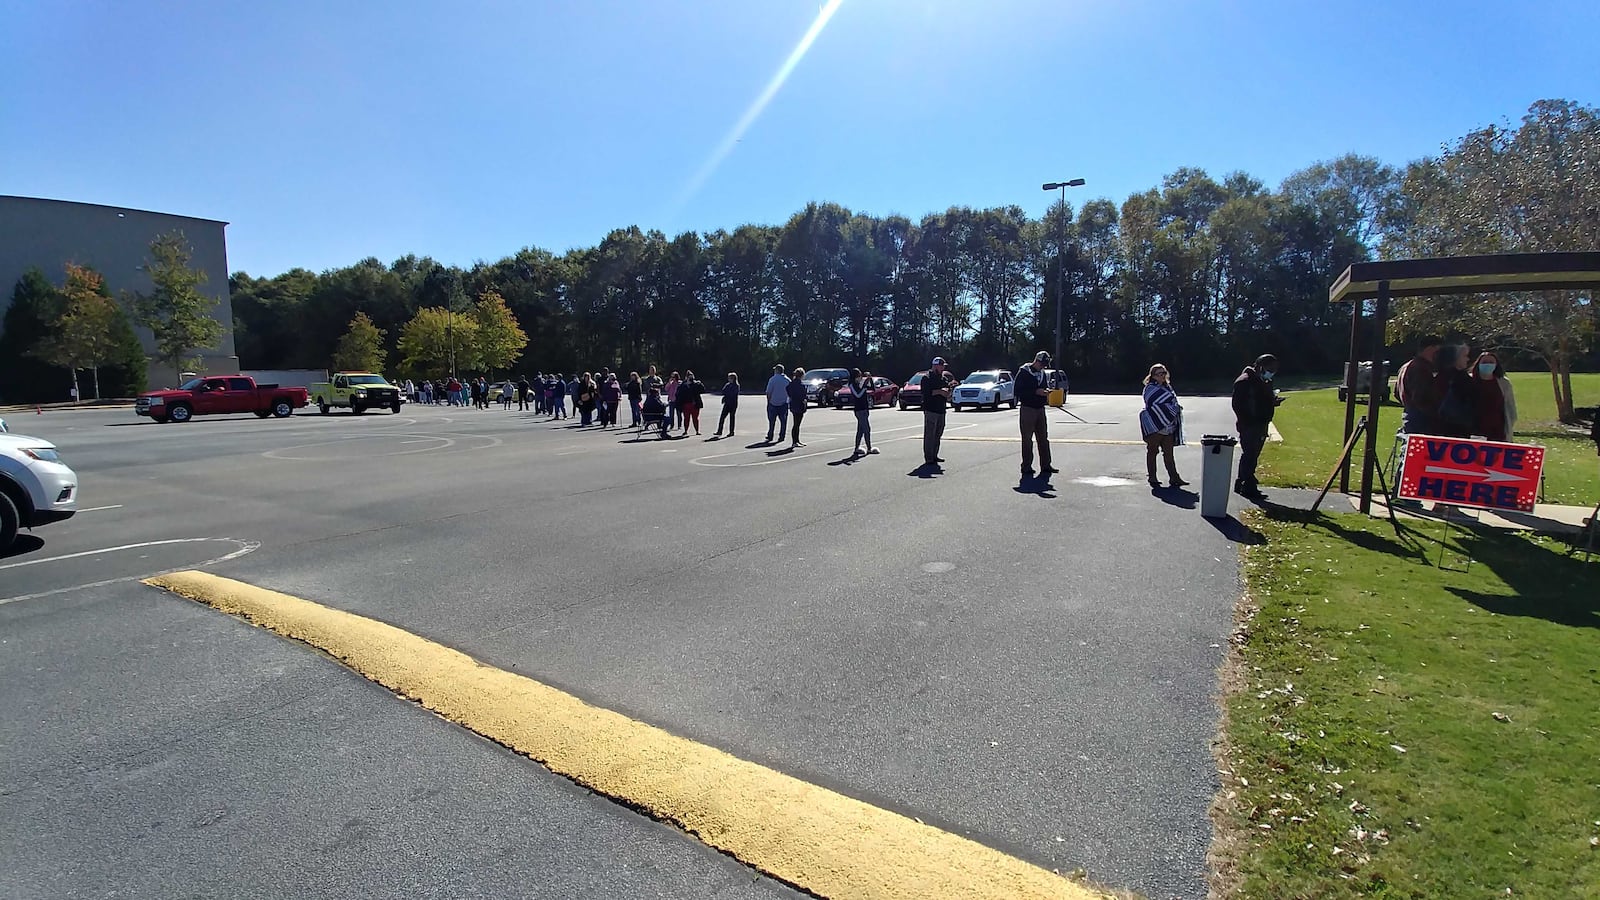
point(1032, 394)
point(936, 389)
point(1254, 402)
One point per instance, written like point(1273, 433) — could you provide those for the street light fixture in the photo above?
point(1061, 258)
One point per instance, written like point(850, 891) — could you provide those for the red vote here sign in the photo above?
point(1485, 474)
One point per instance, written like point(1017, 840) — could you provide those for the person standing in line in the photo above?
point(690, 394)
point(653, 382)
point(611, 395)
point(670, 392)
point(861, 395)
point(1419, 399)
point(796, 390)
point(1032, 394)
point(1161, 422)
point(777, 403)
point(558, 397)
point(523, 389)
point(1457, 392)
point(730, 404)
point(936, 387)
point(635, 390)
point(1495, 402)
point(1254, 402)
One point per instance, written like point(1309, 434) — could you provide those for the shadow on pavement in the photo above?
point(1177, 497)
point(22, 545)
point(1236, 531)
point(926, 470)
point(1039, 486)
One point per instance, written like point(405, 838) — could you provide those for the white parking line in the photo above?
point(244, 547)
point(99, 508)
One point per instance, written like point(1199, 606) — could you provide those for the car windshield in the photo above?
point(915, 379)
point(367, 379)
point(191, 384)
point(826, 374)
point(981, 378)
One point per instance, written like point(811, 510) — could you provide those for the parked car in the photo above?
point(911, 391)
point(36, 487)
point(360, 391)
point(987, 387)
point(821, 384)
point(500, 389)
point(1364, 381)
point(883, 393)
point(214, 395)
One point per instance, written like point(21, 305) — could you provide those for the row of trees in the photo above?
point(53, 333)
point(1199, 273)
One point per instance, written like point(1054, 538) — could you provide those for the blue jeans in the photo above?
point(779, 416)
point(863, 428)
point(633, 408)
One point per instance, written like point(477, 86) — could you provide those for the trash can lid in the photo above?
point(1218, 440)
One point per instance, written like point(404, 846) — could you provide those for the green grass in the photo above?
point(1312, 424)
point(1488, 678)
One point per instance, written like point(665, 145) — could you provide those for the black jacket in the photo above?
point(1027, 388)
point(797, 394)
point(689, 393)
point(1253, 400)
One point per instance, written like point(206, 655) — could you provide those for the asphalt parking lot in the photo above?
point(1032, 667)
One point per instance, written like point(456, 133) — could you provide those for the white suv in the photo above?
point(36, 487)
point(990, 387)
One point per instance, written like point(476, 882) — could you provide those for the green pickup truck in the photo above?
point(360, 391)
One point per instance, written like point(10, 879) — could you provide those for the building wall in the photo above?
point(48, 234)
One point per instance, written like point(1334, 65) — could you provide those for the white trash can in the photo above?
point(1216, 474)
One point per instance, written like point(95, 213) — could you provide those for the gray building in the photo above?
point(48, 234)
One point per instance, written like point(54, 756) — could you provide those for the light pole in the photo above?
point(1061, 258)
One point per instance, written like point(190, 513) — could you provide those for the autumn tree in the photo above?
point(497, 339)
point(361, 347)
point(1535, 188)
point(85, 335)
point(438, 341)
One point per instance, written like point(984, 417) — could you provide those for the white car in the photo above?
point(36, 487)
point(989, 387)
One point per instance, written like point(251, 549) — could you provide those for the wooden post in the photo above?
point(1352, 366)
point(1369, 461)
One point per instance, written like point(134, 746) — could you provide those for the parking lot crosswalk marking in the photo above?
point(808, 836)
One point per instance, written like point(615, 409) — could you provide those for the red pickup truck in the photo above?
point(216, 395)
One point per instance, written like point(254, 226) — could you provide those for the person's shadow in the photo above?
point(1176, 497)
point(1037, 485)
point(926, 470)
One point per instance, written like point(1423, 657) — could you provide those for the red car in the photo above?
point(884, 392)
point(911, 393)
point(216, 395)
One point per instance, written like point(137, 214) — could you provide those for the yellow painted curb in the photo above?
point(810, 837)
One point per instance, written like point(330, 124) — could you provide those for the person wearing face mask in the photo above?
point(1496, 404)
point(1254, 402)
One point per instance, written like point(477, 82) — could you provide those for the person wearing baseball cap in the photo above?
point(936, 386)
point(1032, 395)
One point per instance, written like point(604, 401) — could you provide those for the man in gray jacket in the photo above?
point(777, 403)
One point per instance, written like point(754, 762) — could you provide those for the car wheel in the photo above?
point(159, 420)
point(263, 413)
point(1012, 403)
point(902, 406)
point(181, 413)
point(955, 407)
point(356, 409)
point(282, 409)
point(10, 520)
point(322, 406)
point(395, 407)
point(1344, 394)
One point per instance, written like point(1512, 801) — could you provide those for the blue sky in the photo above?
point(328, 132)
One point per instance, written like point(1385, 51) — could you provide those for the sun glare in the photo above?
point(753, 113)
